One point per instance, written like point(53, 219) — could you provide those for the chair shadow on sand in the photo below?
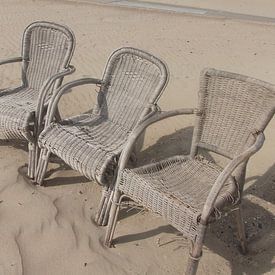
point(20, 145)
point(60, 166)
point(57, 180)
point(259, 223)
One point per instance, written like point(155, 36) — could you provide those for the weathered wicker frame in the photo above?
point(237, 164)
point(149, 108)
point(34, 123)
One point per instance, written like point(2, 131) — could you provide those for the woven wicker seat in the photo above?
point(17, 108)
point(88, 133)
point(47, 49)
point(177, 190)
point(91, 143)
point(189, 191)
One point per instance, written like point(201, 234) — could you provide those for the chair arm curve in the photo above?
point(145, 124)
point(44, 90)
point(11, 60)
point(58, 94)
point(230, 167)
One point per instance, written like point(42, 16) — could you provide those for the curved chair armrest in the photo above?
point(154, 108)
point(44, 90)
point(8, 61)
point(56, 97)
point(230, 167)
point(11, 60)
point(125, 155)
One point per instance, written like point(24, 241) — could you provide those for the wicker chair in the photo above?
point(92, 142)
point(191, 191)
point(47, 49)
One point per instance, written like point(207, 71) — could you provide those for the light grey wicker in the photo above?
point(91, 143)
point(47, 49)
point(191, 191)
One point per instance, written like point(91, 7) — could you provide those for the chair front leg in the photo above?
point(116, 201)
point(102, 208)
point(42, 166)
point(105, 204)
point(108, 208)
point(196, 251)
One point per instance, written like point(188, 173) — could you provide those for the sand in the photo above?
point(50, 230)
point(252, 7)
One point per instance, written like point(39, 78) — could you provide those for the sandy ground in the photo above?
point(50, 230)
point(253, 7)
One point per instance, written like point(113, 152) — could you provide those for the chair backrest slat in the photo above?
point(47, 49)
point(233, 106)
point(134, 81)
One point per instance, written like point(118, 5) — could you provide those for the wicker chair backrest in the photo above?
point(47, 48)
point(134, 81)
point(232, 107)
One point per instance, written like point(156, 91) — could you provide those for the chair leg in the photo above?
point(107, 211)
point(113, 218)
point(32, 160)
point(241, 229)
point(196, 251)
point(42, 166)
point(102, 205)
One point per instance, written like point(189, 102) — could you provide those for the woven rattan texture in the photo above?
point(131, 88)
point(233, 108)
point(91, 144)
point(88, 143)
point(16, 107)
point(176, 189)
point(46, 50)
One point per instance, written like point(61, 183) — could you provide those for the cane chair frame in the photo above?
point(34, 123)
point(236, 165)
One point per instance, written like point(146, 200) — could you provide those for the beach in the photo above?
point(51, 229)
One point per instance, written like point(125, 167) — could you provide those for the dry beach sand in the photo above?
point(252, 7)
point(50, 230)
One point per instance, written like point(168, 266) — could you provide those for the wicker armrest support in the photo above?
point(56, 97)
point(44, 91)
point(142, 127)
point(10, 60)
point(231, 166)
